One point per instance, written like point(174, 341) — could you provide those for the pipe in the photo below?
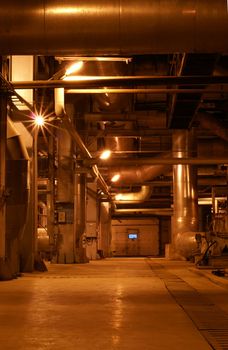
point(137, 163)
point(172, 91)
point(134, 197)
point(138, 174)
point(85, 152)
point(150, 211)
point(157, 119)
point(83, 82)
point(49, 27)
point(185, 201)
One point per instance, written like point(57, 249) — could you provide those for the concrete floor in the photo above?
point(108, 304)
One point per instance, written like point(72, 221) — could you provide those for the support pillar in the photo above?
point(80, 217)
point(185, 201)
point(65, 199)
point(5, 273)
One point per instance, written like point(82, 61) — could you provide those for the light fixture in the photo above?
point(105, 154)
point(90, 58)
point(74, 68)
point(115, 178)
point(39, 120)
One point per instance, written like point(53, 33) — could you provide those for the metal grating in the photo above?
point(218, 339)
point(210, 320)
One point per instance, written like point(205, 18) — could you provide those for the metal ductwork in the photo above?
point(52, 27)
point(185, 201)
point(16, 146)
point(134, 197)
point(139, 174)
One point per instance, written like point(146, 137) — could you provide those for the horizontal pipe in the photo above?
point(145, 91)
point(101, 27)
point(153, 211)
point(82, 82)
point(134, 197)
point(155, 161)
point(158, 117)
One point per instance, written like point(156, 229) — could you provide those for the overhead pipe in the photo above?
point(134, 197)
point(85, 81)
point(49, 27)
point(139, 173)
point(138, 163)
point(140, 211)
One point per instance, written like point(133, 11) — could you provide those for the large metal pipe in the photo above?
point(128, 27)
point(185, 201)
point(138, 173)
point(86, 81)
point(134, 197)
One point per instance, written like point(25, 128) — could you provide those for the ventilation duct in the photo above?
point(134, 197)
point(139, 174)
point(185, 201)
point(52, 27)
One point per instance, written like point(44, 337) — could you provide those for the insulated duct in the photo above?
point(185, 201)
point(134, 197)
point(139, 174)
point(52, 27)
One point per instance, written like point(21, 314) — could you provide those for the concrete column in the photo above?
point(185, 211)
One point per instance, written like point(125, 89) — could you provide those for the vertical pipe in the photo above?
point(185, 216)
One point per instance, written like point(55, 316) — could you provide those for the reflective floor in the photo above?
point(131, 303)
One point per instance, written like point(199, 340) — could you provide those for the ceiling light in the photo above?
point(74, 68)
point(39, 120)
point(105, 154)
point(115, 178)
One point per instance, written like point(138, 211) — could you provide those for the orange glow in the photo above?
point(39, 120)
point(115, 178)
point(105, 154)
point(74, 67)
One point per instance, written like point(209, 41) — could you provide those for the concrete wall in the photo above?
point(146, 243)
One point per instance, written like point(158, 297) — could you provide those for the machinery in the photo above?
point(213, 244)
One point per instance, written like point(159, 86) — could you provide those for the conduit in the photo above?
point(104, 27)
